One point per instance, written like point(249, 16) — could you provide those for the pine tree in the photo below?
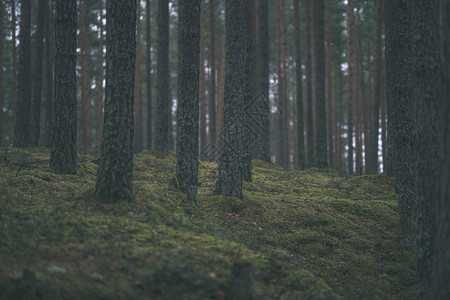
point(188, 110)
point(114, 177)
point(14, 69)
point(212, 82)
point(100, 77)
point(309, 89)
point(1, 73)
point(202, 87)
point(350, 90)
point(148, 61)
point(49, 62)
point(63, 157)
point(138, 131)
point(85, 77)
point(330, 117)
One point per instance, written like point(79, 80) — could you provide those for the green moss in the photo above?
point(308, 234)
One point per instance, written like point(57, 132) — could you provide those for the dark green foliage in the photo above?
point(114, 177)
point(188, 106)
point(400, 113)
point(321, 117)
point(229, 182)
point(162, 88)
point(309, 99)
point(23, 116)
point(441, 263)
point(426, 86)
point(63, 158)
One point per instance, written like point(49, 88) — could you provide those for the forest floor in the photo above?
point(306, 234)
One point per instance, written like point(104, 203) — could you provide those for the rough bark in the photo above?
point(330, 117)
point(148, 38)
point(188, 109)
point(301, 159)
point(202, 87)
point(309, 89)
point(321, 116)
point(229, 182)
point(63, 156)
point(263, 141)
point(162, 91)
point(49, 59)
point(85, 76)
point(100, 77)
point(426, 86)
point(220, 92)
point(13, 69)
point(23, 117)
point(138, 131)
point(212, 82)
point(114, 177)
point(1, 72)
point(350, 94)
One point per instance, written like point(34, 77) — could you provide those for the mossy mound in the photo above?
point(306, 234)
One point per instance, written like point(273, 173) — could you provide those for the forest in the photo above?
point(225, 149)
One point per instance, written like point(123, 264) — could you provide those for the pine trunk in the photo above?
point(350, 61)
point(14, 69)
point(309, 89)
point(85, 77)
point(49, 59)
point(220, 94)
point(63, 156)
point(212, 83)
point(330, 117)
point(138, 132)
point(149, 75)
point(114, 177)
point(1, 72)
point(100, 80)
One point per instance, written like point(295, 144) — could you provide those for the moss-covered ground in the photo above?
point(307, 234)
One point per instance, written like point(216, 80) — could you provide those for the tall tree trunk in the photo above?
point(114, 177)
point(85, 78)
point(202, 98)
point(188, 110)
point(441, 266)
point(401, 116)
point(229, 182)
point(350, 90)
point(49, 58)
point(220, 93)
point(330, 120)
point(1, 72)
point(149, 74)
point(357, 102)
point(321, 115)
point(212, 82)
point(309, 88)
point(169, 111)
point(35, 129)
point(162, 116)
point(14, 69)
point(301, 159)
point(426, 87)
point(263, 141)
point(383, 112)
point(63, 156)
point(138, 132)
point(22, 131)
point(248, 89)
point(100, 77)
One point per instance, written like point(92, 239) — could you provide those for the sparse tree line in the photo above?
point(357, 86)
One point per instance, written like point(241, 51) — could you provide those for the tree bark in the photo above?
point(350, 62)
point(149, 75)
point(330, 117)
point(202, 99)
point(22, 131)
point(309, 89)
point(85, 78)
point(220, 94)
point(1, 72)
point(114, 177)
point(212, 82)
point(138, 132)
point(63, 156)
point(14, 69)
point(188, 110)
point(100, 80)
point(49, 58)
point(229, 182)
point(426, 87)
point(162, 116)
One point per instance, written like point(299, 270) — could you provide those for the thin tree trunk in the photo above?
point(330, 100)
point(309, 88)
point(85, 77)
point(14, 69)
point(212, 82)
point(149, 75)
point(383, 112)
point(202, 84)
point(138, 132)
point(49, 58)
point(100, 79)
point(350, 62)
point(1, 72)
point(220, 94)
point(63, 156)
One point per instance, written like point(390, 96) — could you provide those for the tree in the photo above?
point(138, 132)
point(37, 82)
point(441, 256)
point(114, 177)
point(321, 119)
point(85, 78)
point(63, 156)
point(22, 125)
point(14, 68)
point(188, 110)
point(309, 89)
point(1, 72)
point(298, 71)
point(49, 59)
point(148, 37)
point(401, 118)
point(100, 77)
point(162, 91)
point(426, 86)
point(202, 100)
point(350, 91)
point(330, 120)
point(372, 161)
point(229, 182)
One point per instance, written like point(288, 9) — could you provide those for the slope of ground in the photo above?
point(302, 234)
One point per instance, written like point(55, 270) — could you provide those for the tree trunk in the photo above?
point(100, 80)
point(114, 177)
point(149, 75)
point(220, 94)
point(49, 58)
point(321, 115)
point(229, 182)
point(330, 120)
point(162, 116)
point(188, 110)
point(212, 83)
point(309, 89)
point(1, 72)
point(22, 131)
point(63, 156)
point(138, 132)
point(350, 62)
point(301, 161)
point(85, 78)
point(14, 69)
point(202, 97)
